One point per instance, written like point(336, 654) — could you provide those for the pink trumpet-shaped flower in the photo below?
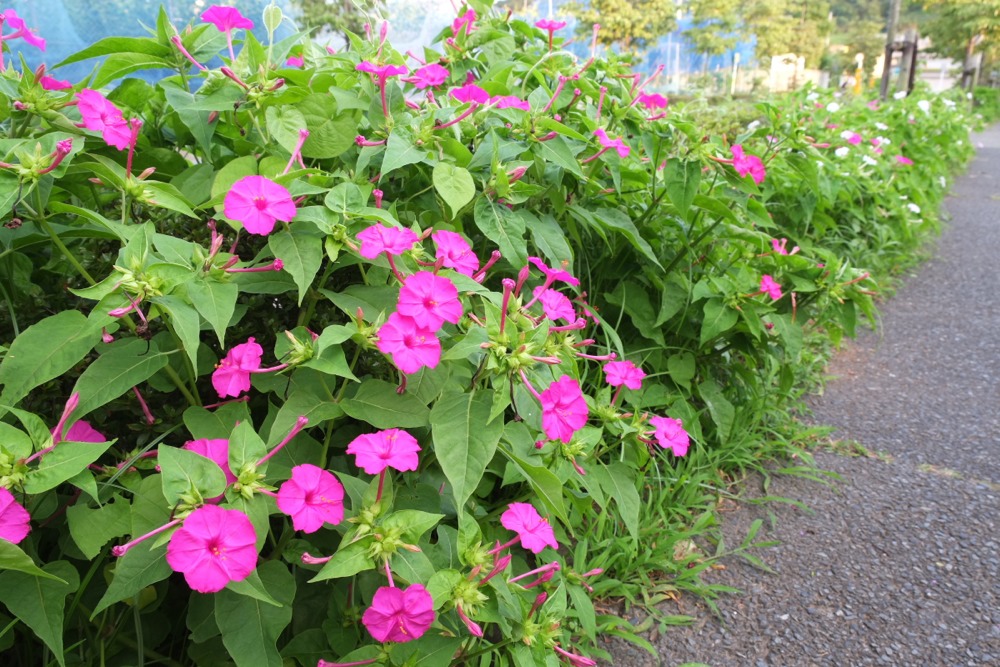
point(232, 376)
point(532, 529)
point(382, 74)
point(429, 300)
point(748, 164)
point(82, 431)
point(391, 448)
point(227, 19)
point(770, 287)
point(213, 547)
point(618, 373)
point(554, 274)
point(903, 160)
point(411, 344)
point(574, 659)
point(510, 102)
point(11, 18)
point(653, 101)
point(391, 240)
point(101, 115)
point(14, 519)
point(608, 143)
point(50, 83)
point(258, 203)
point(454, 252)
point(295, 61)
point(215, 449)
point(428, 76)
point(670, 434)
point(312, 497)
point(470, 92)
point(555, 304)
point(550, 26)
point(464, 21)
point(398, 615)
point(564, 410)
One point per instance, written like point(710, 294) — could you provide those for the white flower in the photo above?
point(881, 126)
point(948, 103)
point(846, 135)
point(882, 140)
point(753, 125)
point(869, 161)
point(959, 142)
point(833, 107)
point(968, 96)
point(812, 97)
point(913, 207)
point(943, 181)
point(842, 151)
point(900, 95)
point(924, 105)
point(820, 163)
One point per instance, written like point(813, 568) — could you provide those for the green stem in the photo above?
point(179, 383)
point(343, 384)
point(65, 251)
point(10, 309)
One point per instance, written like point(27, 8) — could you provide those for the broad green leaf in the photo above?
point(253, 587)
point(67, 460)
point(125, 364)
point(634, 299)
point(14, 442)
point(719, 318)
point(44, 351)
point(40, 602)
point(682, 178)
point(164, 195)
point(250, 627)
point(681, 368)
point(92, 528)
point(618, 482)
point(302, 255)
point(13, 559)
point(546, 485)
point(186, 324)
point(330, 133)
point(377, 403)
point(505, 228)
point(557, 150)
point(614, 219)
point(348, 561)
point(400, 151)
point(412, 566)
point(184, 470)
point(549, 237)
point(301, 403)
point(454, 185)
point(216, 302)
point(429, 651)
point(413, 523)
point(345, 198)
point(465, 439)
point(202, 423)
point(245, 446)
point(283, 123)
point(111, 45)
point(719, 407)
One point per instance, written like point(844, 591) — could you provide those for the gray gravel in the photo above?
point(898, 563)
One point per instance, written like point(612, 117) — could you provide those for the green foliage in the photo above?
point(626, 23)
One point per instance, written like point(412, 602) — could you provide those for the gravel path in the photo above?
point(899, 563)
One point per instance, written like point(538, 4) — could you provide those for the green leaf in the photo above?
point(302, 255)
point(330, 133)
point(719, 407)
point(682, 178)
point(348, 561)
point(250, 627)
point(125, 364)
point(14, 560)
point(546, 485)
point(618, 482)
point(91, 528)
point(184, 470)
point(216, 302)
point(345, 198)
point(14, 442)
point(40, 602)
point(245, 446)
point(549, 237)
point(164, 195)
point(377, 403)
point(612, 218)
point(202, 423)
point(454, 185)
point(428, 651)
point(67, 460)
point(186, 324)
point(302, 403)
point(400, 151)
point(117, 65)
point(719, 318)
point(558, 151)
point(253, 587)
point(681, 368)
point(284, 123)
point(505, 228)
point(45, 351)
point(111, 45)
point(413, 523)
point(465, 439)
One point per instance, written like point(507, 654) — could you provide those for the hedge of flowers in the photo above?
point(369, 358)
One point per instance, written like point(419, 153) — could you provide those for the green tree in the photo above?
point(787, 26)
point(339, 16)
point(715, 26)
point(630, 24)
point(958, 27)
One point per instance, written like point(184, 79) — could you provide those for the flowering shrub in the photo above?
point(339, 328)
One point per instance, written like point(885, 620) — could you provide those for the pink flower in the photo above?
point(232, 376)
point(11, 18)
point(212, 548)
point(391, 240)
point(463, 21)
point(626, 373)
point(608, 143)
point(411, 345)
point(312, 497)
point(429, 76)
point(555, 305)
point(670, 434)
point(770, 287)
point(780, 246)
point(258, 202)
point(550, 25)
point(653, 101)
point(574, 659)
point(100, 115)
point(216, 450)
point(391, 448)
point(295, 61)
point(470, 92)
point(49, 83)
point(852, 138)
point(226, 19)
point(398, 615)
point(904, 160)
point(533, 530)
point(552, 275)
point(748, 164)
point(429, 300)
point(381, 72)
point(14, 519)
point(454, 252)
point(564, 410)
point(510, 101)
point(81, 431)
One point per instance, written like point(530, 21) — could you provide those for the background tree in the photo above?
point(338, 16)
point(630, 24)
point(714, 29)
point(787, 26)
point(958, 27)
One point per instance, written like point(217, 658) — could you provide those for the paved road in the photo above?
point(899, 564)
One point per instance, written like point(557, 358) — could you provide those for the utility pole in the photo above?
point(890, 46)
